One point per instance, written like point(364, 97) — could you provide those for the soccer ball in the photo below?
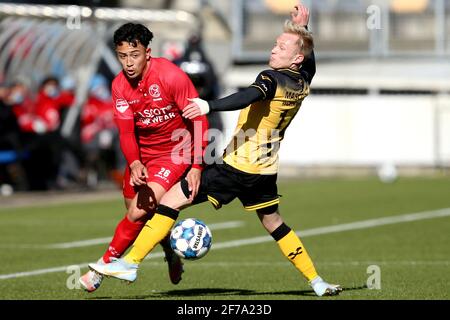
point(190, 239)
point(387, 173)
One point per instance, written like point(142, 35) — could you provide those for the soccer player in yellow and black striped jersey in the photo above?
point(250, 162)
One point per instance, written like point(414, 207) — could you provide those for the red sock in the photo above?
point(126, 232)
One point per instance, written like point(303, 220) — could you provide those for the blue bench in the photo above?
point(11, 156)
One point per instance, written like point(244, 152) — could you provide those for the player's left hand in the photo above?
point(138, 174)
point(193, 178)
point(300, 15)
point(197, 107)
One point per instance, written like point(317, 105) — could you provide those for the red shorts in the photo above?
point(160, 170)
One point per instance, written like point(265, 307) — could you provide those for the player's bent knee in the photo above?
point(134, 214)
point(175, 198)
point(173, 203)
point(128, 202)
point(270, 218)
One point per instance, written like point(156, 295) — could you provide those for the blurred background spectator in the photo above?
point(196, 64)
point(33, 153)
point(99, 134)
point(199, 68)
point(12, 153)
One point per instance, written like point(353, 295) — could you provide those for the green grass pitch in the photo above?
point(413, 257)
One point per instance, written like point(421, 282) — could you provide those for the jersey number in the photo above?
point(164, 172)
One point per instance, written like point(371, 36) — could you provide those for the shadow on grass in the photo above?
point(219, 292)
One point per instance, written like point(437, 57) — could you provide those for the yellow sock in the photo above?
point(293, 249)
point(151, 234)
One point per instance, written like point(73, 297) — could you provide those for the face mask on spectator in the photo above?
point(51, 91)
point(101, 93)
point(68, 84)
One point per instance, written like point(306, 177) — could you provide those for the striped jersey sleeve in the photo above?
point(266, 84)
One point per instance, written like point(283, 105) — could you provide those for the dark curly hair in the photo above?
point(132, 33)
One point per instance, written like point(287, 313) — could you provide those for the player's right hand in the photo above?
point(138, 174)
point(196, 107)
point(193, 178)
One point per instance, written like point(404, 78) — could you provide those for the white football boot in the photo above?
point(322, 288)
point(117, 268)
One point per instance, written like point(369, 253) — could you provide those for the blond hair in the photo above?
point(305, 42)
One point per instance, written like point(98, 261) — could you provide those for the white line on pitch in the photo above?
point(202, 264)
point(364, 224)
point(96, 241)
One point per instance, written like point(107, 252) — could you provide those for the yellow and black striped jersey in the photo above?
point(262, 124)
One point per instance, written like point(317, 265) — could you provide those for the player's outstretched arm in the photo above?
point(235, 101)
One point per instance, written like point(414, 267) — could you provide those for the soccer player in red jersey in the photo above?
point(149, 96)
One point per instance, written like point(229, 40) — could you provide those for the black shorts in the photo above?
point(222, 183)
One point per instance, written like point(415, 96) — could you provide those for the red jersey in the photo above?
point(148, 112)
point(96, 116)
point(47, 108)
point(40, 116)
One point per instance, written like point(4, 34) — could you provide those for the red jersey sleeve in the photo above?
point(182, 89)
point(198, 129)
point(123, 116)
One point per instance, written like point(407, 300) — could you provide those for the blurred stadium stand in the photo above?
point(38, 41)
